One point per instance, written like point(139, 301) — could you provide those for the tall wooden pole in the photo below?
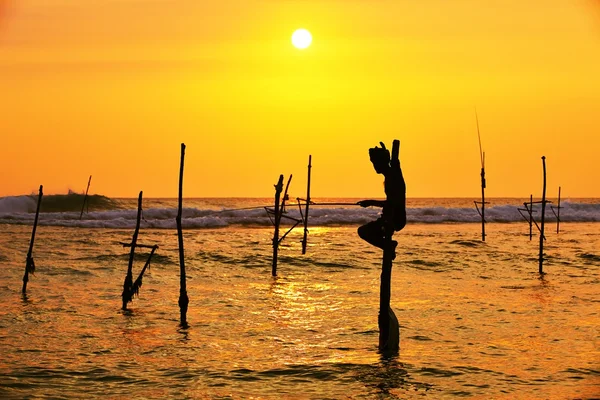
point(128, 284)
point(30, 264)
point(183, 297)
point(306, 209)
point(483, 200)
point(530, 216)
point(389, 334)
point(482, 155)
point(541, 269)
point(278, 189)
point(85, 197)
point(558, 213)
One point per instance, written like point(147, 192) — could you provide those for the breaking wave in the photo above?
point(64, 210)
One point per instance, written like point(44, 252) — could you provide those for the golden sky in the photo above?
point(110, 88)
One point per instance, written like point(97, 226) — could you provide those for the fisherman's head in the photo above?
point(380, 157)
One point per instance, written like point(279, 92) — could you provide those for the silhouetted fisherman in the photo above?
point(393, 216)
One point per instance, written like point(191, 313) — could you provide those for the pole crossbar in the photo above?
point(531, 211)
point(289, 230)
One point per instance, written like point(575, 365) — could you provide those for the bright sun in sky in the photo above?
point(301, 38)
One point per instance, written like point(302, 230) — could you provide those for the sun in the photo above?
point(301, 38)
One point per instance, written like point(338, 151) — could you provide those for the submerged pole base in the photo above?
point(183, 307)
point(389, 339)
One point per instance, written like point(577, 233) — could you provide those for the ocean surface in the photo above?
point(477, 320)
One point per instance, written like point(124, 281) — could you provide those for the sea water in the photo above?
point(477, 320)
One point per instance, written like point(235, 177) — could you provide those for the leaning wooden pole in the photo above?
point(85, 197)
point(183, 296)
point(278, 189)
point(307, 205)
point(128, 284)
point(30, 264)
point(541, 269)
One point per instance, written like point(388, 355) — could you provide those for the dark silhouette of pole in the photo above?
point(530, 216)
point(29, 263)
point(135, 288)
point(127, 294)
point(482, 155)
point(85, 197)
point(183, 296)
point(558, 213)
point(483, 201)
point(278, 189)
point(541, 269)
point(389, 334)
point(307, 205)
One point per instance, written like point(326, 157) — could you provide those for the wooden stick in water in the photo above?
point(389, 334)
point(306, 209)
point(278, 189)
point(483, 198)
point(85, 197)
point(558, 211)
point(30, 264)
point(128, 284)
point(135, 288)
point(482, 156)
point(183, 296)
point(541, 269)
point(530, 216)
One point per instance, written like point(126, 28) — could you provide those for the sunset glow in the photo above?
point(113, 89)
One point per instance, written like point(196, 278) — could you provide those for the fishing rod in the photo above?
point(288, 204)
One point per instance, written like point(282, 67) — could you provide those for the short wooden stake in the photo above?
point(30, 264)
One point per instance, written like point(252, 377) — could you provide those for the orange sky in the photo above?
point(112, 87)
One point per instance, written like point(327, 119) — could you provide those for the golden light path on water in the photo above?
point(476, 319)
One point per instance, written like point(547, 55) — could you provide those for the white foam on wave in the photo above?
point(17, 204)
point(18, 210)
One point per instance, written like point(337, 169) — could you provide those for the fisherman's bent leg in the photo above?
point(372, 233)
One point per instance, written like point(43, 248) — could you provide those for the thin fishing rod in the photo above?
point(334, 204)
point(479, 136)
point(289, 204)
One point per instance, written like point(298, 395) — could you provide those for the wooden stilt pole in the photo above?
point(389, 331)
point(307, 205)
point(482, 155)
point(558, 213)
point(30, 264)
point(483, 200)
point(278, 189)
point(85, 197)
point(128, 284)
point(530, 216)
point(183, 297)
point(541, 269)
